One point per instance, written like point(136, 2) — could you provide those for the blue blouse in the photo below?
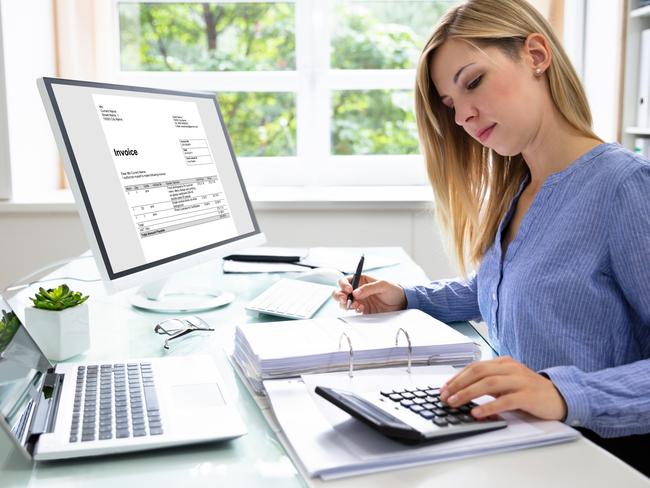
point(571, 295)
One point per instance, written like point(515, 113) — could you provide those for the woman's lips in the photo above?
point(485, 133)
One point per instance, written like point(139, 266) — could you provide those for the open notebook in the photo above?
point(292, 348)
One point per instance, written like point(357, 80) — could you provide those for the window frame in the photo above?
point(26, 172)
point(5, 166)
point(312, 82)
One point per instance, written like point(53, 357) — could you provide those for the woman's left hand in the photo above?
point(513, 385)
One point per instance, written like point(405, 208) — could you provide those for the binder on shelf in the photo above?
point(642, 146)
point(643, 101)
point(288, 349)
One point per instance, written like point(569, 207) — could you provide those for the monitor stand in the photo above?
point(153, 297)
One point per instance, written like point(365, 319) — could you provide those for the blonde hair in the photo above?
point(473, 186)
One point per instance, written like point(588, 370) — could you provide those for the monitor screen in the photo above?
point(155, 171)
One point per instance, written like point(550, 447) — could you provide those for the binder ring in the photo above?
point(410, 349)
point(351, 360)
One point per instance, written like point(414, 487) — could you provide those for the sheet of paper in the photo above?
point(246, 267)
point(331, 444)
point(345, 261)
point(168, 175)
point(366, 332)
point(274, 251)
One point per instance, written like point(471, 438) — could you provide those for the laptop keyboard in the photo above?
point(115, 401)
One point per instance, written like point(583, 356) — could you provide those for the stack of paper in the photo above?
point(288, 349)
point(270, 260)
point(344, 260)
point(326, 442)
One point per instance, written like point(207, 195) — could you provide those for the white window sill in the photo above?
point(270, 198)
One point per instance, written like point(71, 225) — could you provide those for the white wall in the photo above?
point(33, 239)
point(602, 64)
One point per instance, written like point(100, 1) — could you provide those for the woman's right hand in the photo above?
point(372, 295)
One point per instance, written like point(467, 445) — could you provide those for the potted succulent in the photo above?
point(58, 322)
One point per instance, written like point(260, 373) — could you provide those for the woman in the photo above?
point(556, 222)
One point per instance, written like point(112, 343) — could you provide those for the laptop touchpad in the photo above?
point(201, 395)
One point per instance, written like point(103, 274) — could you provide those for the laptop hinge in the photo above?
point(47, 406)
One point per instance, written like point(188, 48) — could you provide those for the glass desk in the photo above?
point(119, 331)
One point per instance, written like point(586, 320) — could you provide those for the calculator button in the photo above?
point(440, 421)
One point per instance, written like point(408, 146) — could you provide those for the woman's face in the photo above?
point(497, 100)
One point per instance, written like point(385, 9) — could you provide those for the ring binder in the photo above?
point(261, 350)
point(351, 360)
point(410, 349)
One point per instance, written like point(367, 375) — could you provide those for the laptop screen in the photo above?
point(22, 372)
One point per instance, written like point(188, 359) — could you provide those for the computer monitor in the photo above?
point(156, 182)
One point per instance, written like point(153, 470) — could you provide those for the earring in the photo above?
point(538, 72)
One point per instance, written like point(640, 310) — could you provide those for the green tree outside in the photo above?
point(261, 37)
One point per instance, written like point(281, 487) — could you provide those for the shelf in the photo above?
point(641, 12)
point(638, 131)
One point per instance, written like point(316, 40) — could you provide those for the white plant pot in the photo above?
point(59, 334)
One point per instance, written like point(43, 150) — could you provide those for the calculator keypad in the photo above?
point(426, 402)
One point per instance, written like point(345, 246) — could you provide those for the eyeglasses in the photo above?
point(179, 327)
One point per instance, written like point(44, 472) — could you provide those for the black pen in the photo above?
point(355, 280)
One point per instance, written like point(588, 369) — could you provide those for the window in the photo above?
point(313, 92)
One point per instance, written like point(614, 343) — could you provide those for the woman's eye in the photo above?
point(476, 82)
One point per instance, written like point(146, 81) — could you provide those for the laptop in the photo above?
point(72, 410)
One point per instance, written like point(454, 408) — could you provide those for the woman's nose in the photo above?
point(464, 113)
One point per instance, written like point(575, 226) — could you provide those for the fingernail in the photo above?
point(477, 412)
point(452, 399)
point(444, 395)
point(356, 292)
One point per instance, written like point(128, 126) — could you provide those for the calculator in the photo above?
point(411, 415)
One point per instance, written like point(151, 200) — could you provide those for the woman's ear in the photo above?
point(537, 53)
